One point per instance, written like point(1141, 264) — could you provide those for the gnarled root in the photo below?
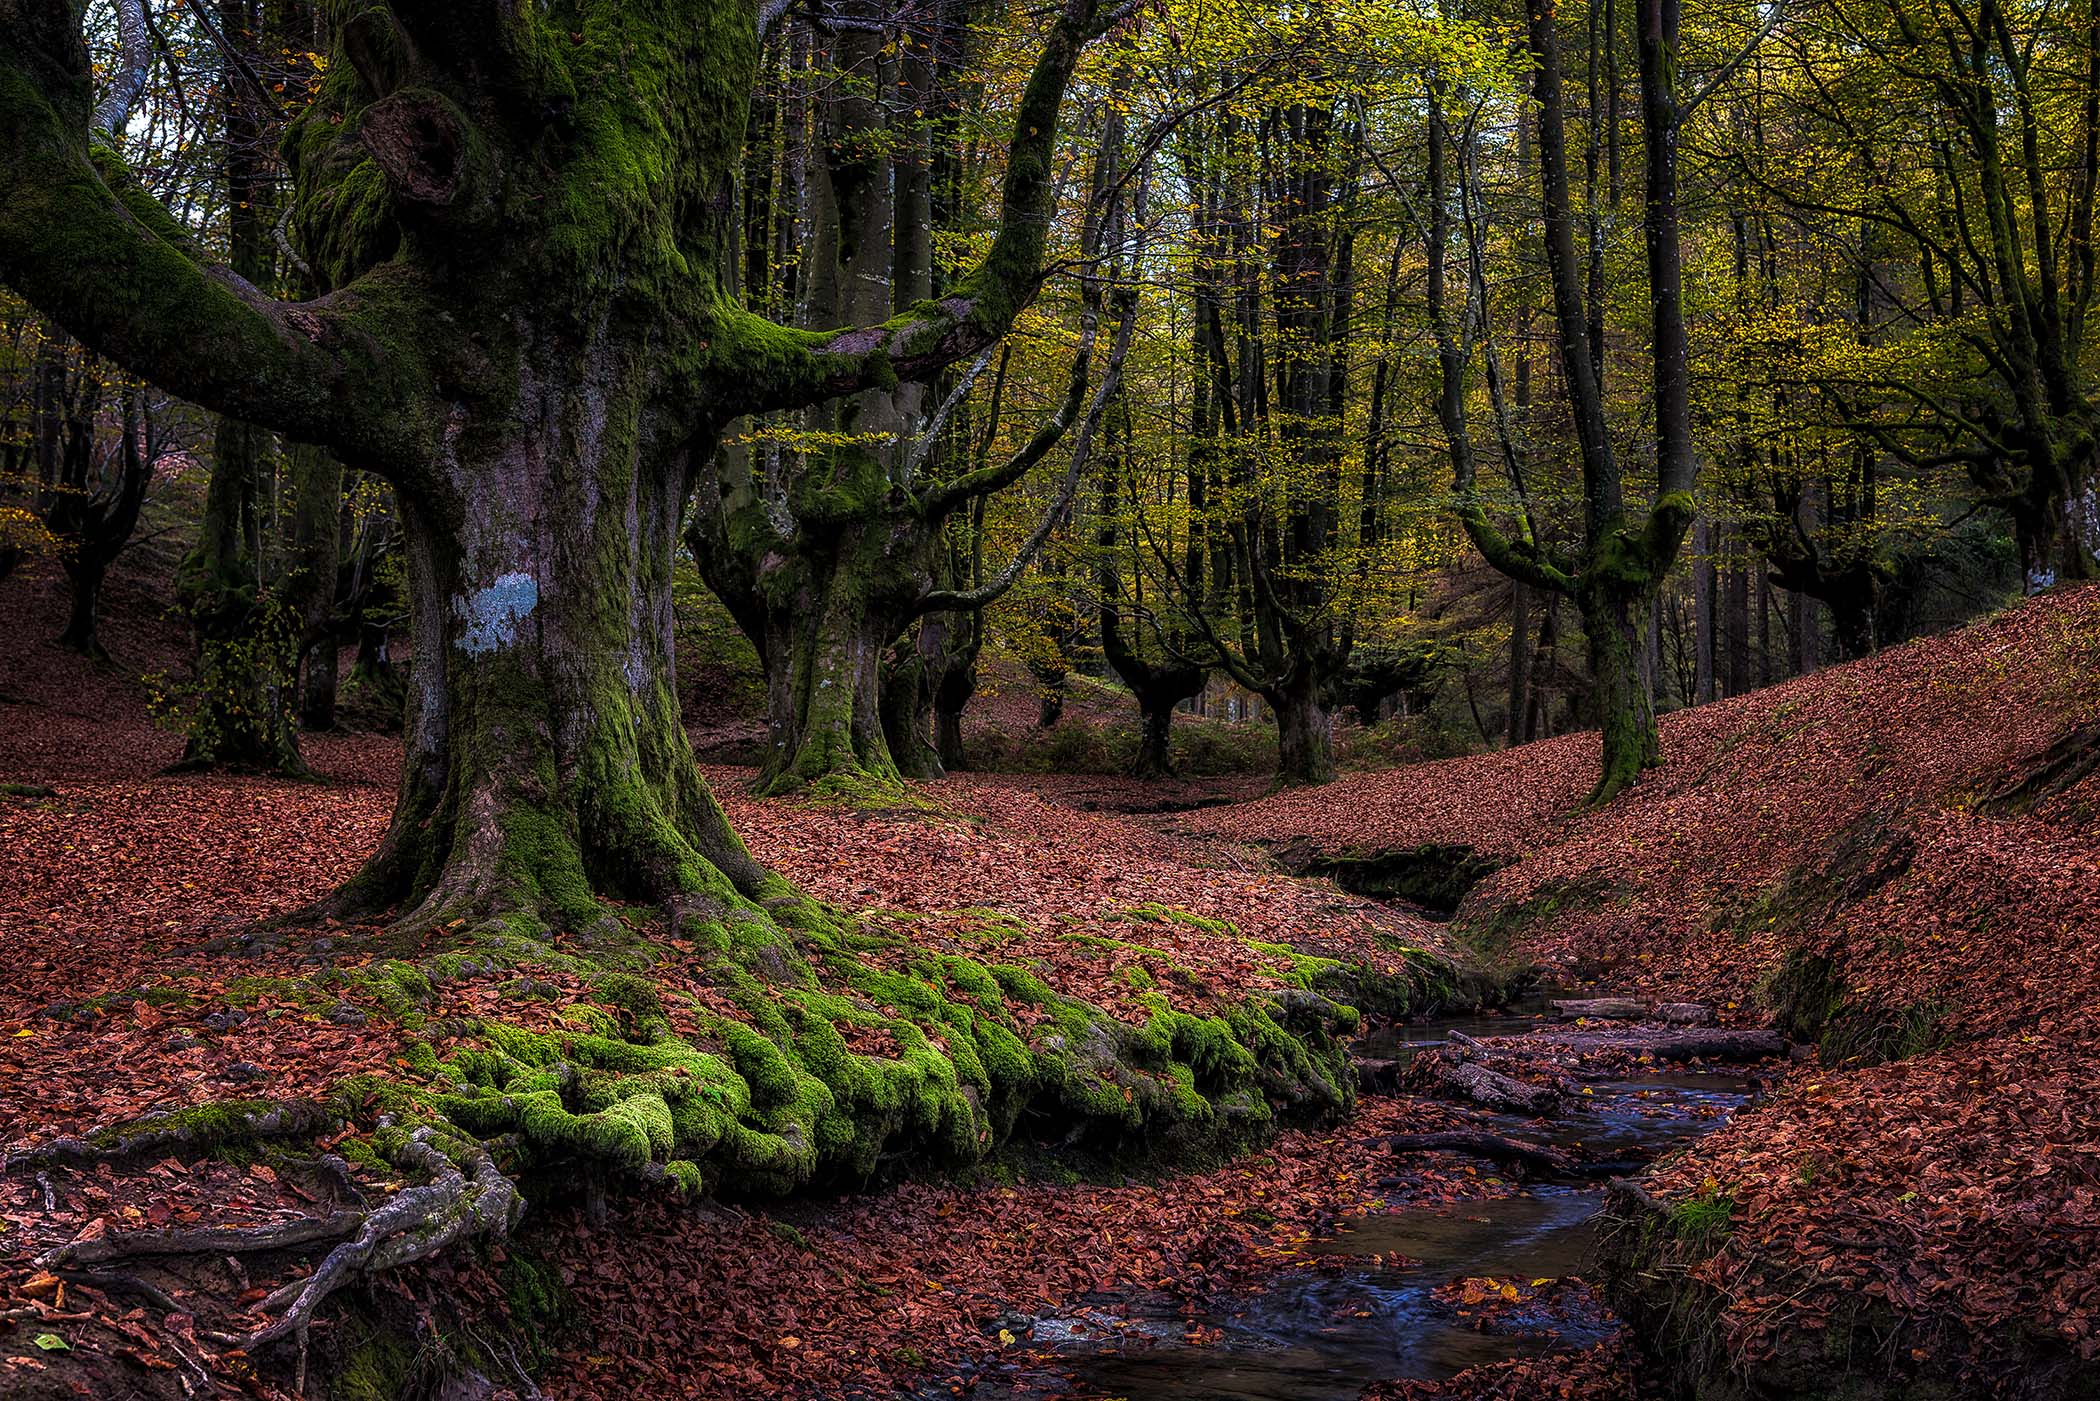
point(465, 1196)
point(408, 1227)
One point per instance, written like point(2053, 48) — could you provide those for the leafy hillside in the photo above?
point(1899, 859)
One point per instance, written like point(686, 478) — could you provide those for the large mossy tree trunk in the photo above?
point(524, 211)
point(2054, 499)
point(827, 560)
point(1304, 731)
point(843, 623)
point(821, 604)
point(546, 763)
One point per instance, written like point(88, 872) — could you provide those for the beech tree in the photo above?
point(1962, 137)
point(1626, 551)
point(524, 217)
point(830, 545)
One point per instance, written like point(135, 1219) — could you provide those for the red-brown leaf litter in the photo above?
point(1947, 1201)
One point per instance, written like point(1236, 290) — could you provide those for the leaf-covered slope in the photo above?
point(1900, 860)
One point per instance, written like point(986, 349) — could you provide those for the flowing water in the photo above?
point(1369, 1310)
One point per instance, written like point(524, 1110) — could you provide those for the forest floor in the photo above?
point(1885, 856)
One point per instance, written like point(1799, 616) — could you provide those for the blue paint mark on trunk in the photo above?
point(492, 615)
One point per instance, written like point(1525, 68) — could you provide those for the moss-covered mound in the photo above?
point(762, 1057)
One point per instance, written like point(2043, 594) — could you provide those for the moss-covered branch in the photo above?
point(761, 366)
point(98, 256)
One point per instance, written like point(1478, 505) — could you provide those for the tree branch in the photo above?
point(1082, 448)
point(84, 244)
point(762, 366)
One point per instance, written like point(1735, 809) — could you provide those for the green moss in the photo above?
point(635, 999)
point(848, 1047)
point(378, 1369)
point(1151, 913)
point(211, 1127)
point(538, 1307)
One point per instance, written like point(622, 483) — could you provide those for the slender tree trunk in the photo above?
point(1737, 629)
point(247, 640)
point(310, 582)
point(248, 649)
point(1807, 633)
point(1542, 723)
point(1519, 661)
point(907, 699)
point(954, 683)
point(317, 692)
point(374, 679)
point(1764, 630)
point(1703, 581)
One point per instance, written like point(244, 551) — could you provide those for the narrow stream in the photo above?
point(1370, 1311)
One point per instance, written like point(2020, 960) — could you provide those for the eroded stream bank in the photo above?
point(1433, 1280)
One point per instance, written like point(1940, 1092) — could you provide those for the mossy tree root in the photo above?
point(204, 1129)
point(466, 1196)
point(819, 1053)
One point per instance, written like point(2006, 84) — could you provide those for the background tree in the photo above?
point(828, 542)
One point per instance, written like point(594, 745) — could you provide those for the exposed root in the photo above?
point(111, 1282)
point(209, 1240)
point(183, 1131)
point(452, 1205)
point(411, 1226)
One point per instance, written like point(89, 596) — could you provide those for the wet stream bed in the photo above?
point(1421, 1290)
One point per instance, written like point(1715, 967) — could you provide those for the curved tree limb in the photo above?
point(1520, 559)
point(764, 366)
point(1082, 451)
point(104, 260)
point(130, 79)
